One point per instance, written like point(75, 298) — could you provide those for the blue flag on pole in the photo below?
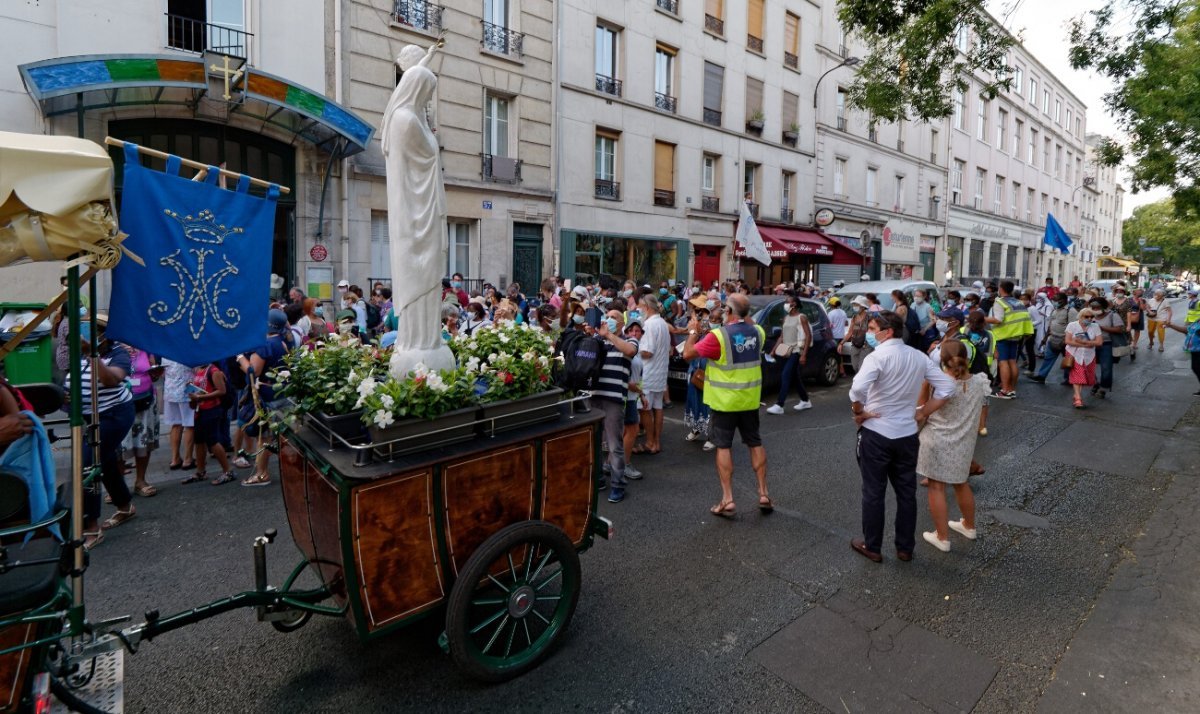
point(202, 295)
point(1055, 236)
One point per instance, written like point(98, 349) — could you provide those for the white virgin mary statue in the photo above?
point(416, 219)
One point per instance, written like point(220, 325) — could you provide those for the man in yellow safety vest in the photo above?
point(732, 389)
point(1011, 322)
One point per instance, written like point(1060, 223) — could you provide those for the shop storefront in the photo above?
point(614, 258)
point(928, 258)
point(797, 255)
point(900, 252)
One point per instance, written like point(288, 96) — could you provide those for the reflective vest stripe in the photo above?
point(733, 385)
point(1016, 324)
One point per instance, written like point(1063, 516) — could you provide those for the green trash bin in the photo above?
point(33, 360)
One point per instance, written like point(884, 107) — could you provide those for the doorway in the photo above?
point(527, 256)
point(707, 269)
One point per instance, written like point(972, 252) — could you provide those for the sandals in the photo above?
point(195, 478)
point(223, 478)
point(724, 509)
point(1078, 403)
point(91, 539)
point(188, 465)
point(118, 518)
point(640, 449)
point(175, 466)
point(145, 490)
point(765, 505)
point(257, 480)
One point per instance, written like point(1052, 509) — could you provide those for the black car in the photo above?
point(823, 364)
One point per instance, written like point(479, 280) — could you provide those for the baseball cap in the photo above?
point(834, 302)
point(276, 321)
point(635, 321)
point(951, 313)
point(343, 283)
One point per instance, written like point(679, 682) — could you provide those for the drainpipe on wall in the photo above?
point(556, 107)
point(345, 179)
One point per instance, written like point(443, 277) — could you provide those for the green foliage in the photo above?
point(423, 395)
point(1154, 60)
point(324, 376)
point(912, 64)
point(1162, 226)
point(512, 360)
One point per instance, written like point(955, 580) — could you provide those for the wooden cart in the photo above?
point(487, 532)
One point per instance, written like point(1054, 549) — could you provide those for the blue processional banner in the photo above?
point(203, 293)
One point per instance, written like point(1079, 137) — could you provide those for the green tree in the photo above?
point(1151, 51)
point(1176, 235)
point(913, 63)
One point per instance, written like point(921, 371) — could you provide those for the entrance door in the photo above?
point(708, 265)
point(527, 256)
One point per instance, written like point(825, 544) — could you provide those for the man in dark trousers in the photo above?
point(884, 397)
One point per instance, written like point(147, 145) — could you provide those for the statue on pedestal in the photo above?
point(416, 217)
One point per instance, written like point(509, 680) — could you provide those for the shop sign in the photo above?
point(900, 241)
point(824, 217)
point(928, 244)
point(771, 251)
point(318, 253)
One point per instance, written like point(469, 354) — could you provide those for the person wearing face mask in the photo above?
point(1137, 319)
point(882, 398)
point(458, 285)
point(923, 312)
point(1125, 307)
point(1112, 329)
point(1158, 315)
point(1083, 337)
point(697, 416)
point(795, 338)
point(476, 316)
point(1039, 313)
point(610, 393)
point(1054, 341)
point(854, 343)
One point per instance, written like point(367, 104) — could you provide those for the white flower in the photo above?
point(352, 378)
point(544, 361)
point(420, 370)
point(367, 387)
point(435, 382)
point(493, 357)
point(283, 374)
point(528, 356)
point(473, 364)
point(383, 419)
point(388, 402)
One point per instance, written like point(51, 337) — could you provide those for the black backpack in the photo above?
point(373, 316)
point(583, 357)
point(912, 325)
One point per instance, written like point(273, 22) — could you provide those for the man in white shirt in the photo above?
point(884, 397)
point(837, 318)
point(656, 356)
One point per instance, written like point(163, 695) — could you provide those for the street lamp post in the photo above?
point(848, 62)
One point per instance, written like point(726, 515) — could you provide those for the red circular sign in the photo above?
point(318, 253)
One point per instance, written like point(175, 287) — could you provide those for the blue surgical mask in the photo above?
point(627, 294)
point(611, 322)
point(577, 319)
point(455, 284)
point(872, 340)
point(662, 291)
point(710, 304)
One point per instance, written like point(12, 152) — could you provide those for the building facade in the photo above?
point(137, 71)
point(1109, 207)
point(1015, 160)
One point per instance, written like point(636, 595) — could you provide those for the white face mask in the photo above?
point(942, 326)
point(917, 299)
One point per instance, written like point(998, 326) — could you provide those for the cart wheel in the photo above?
point(300, 619)
point(513, 600)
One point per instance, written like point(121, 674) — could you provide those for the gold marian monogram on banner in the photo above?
point(199, 295)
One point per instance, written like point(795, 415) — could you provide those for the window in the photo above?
point(1032, 91)
point(981, 119)
point(459, 259)
point(976, 262)
point(1058, 111)
point(898, 196)
point(956, 182)
point(714, 16)
point(1068, 122)
point(496, 12)
point(791, 41)
point(962, 38)
point(791, 108)
point(714, 81)
point(1018, 130)
point(217, 25)
point(959, 108)
point(1002, 130)
point(994, 260)
point(980, 180)
point(1015, 198)
point(1029, 205)
point(1079, 168)
point(841, 109)
point(664, 174)
point(998, 195)
point(664, 78)
point(1078, 126)
point(1018, 79)
point(934, 145)
point(754, 98)
point(1070, 168)
point(606, 166)
point(839, 177)
point(1058, 160)
point(1032, 157)
point(708, 173)
point(754, 26)
point(872, 174)
point(1046, 155)
point(495, 125)
point(1042, 209)
point(750, 182)
point(497, 37)
point(381, 249)
point(785, 194)
point(1046, 101)
point(606, 61)
point(1010, 264)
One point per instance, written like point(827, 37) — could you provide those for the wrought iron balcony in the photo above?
point(786, 215)
point(791, 60)
point(662, 197)
point(191, 35)
point(502, 40)
point(714, 25)
point(900, 145)
point(664, 102)
point(608, 85)
point(754, 44)
point(501, 169)
point(710, 203)
point(841, 123)
point(712, 116)
point(933, 157)
point(671, 6)
point(872, 134)
point(419, 15)
point(610, 190)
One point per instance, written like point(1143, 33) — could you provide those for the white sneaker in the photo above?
point(774, 409)
point(709, 446)
point(769, 359)
point(691, 436)
point(632, 473)
point(801, 406)
point(932, 539)
point(958, 527)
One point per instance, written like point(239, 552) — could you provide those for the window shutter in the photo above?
point(791, 108)
point(791, 34)
point(756, 19)
point(714, 8)
point(714, 76)
point(754, 95)
point(664, 166)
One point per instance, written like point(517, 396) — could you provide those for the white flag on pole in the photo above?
point(750, 238)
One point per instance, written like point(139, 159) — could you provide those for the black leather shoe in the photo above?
point(860, 547)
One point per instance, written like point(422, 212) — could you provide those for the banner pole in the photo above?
point(195, 164)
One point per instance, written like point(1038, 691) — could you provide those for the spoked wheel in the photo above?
point(513, 600)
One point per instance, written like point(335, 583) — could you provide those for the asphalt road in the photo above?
point(675, 608)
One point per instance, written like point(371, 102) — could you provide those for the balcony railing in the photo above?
point(665, 102)
point(841, 123)
point(710, 203)
point(662, 197)
point(754, 44)
point(753, 209)
point(843, 50)
point(610, 190)
point(933, 157)
point(900, 145)
point(502, 40)
point(714, 25)
point(712, 116)
point(671, 6)
point(791, 60)
point(501, 169)
point(872, 134)
point(192, 35)
point(419, 15)
point(608, 85)
point(786, 215)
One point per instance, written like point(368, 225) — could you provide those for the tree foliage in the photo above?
point(1151, 51)
point(912, 64)
point(1178, 236)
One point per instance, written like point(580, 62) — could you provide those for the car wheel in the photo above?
point(831, 369)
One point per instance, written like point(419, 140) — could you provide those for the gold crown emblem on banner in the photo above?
point(203, 228)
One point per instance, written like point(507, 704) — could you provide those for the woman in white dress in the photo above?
point(947, 444)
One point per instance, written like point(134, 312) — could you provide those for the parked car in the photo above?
point(1105, 287)
point(769, 310)
point(883, 290)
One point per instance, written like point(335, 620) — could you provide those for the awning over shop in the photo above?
point(66, 85)
point(1109, 261)
point(785, 242)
